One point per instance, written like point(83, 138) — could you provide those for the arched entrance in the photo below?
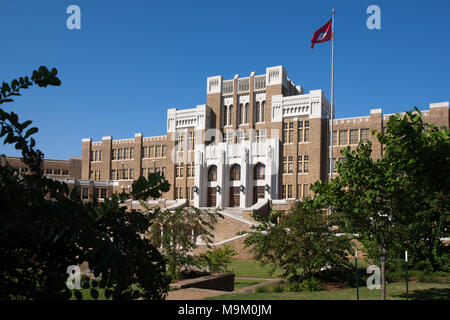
point(211, 193)
point(259, 172)
point(235, 175)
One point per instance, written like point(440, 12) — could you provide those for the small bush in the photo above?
point(278, 288)
point(312, 284)
point(218, 259)
point(433, 277)
point(264, 289)
point(423, 265)
point(294, 287)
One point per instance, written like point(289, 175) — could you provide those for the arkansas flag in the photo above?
point(323, 34)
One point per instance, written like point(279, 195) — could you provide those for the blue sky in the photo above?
point(133, 59)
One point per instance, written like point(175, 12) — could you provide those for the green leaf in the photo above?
point(78, 295)
point(94, 293)
point(31, 131)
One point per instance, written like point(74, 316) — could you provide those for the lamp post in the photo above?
point(406, 269)
point(356, 270)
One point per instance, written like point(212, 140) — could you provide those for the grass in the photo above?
point(394, 291)
point(252, 268)
point(243, 283)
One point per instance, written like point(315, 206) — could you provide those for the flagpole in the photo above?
point(332, 99)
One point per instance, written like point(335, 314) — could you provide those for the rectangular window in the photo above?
point(289, 192)
point(191, 170)
point(96, 193)
point(283, 192)
point(145, 152)
point(56, 171)
point(333, 165)
point(131, 153)
point(354, 136)
point(113, 175)
point(125, 173)
point(179, 141)
point(334, 138)
point(131, 176)
point(343, 137)
point(290, 164)
point(85, 193)
point(228, 137)
point(65, 172)
point(103, 193)
point(260, 135)
point(119, 174)
point(291, 132)
point(151, 151)
point(164, 150)
point(158, 151)
point(119, 154)
point(48, 171)
point(126, 153)
point(179, 171)
point(303, 131)
point(284, 164)
point(305, 190)
point(114, 154)
point(305, 164)
point(163, 171)
point(364, 135)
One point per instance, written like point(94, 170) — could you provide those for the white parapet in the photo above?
point(198, 118)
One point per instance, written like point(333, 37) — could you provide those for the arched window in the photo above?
point(258, 112)
point(259, 171)
point(230, 115)
point(225, 115)
point(247, 107)
point(212, 173)
point(235, 172)
point(263, 107)
point(240, 114)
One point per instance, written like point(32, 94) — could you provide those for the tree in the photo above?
point(41, 235)
point(176, 233)
point(421, 154)
point(300, 243)
point(218, 259)
point(393, 202)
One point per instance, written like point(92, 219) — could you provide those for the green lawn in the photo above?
point(251, 268)
point(394, 291)
point(243, 283)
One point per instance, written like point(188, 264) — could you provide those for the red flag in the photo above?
point(323, 34)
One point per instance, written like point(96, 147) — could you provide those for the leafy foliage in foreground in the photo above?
point(400, 201)
point(300, 243)
point(45, 228)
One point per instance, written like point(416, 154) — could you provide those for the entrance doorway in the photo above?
point(258, 192)
point(211, 197)
point(234, 197)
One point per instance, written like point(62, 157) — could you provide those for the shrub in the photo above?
point(293, 287)
point(261, 289)
point(278, 288)
point(312, 284)
point(218, 259)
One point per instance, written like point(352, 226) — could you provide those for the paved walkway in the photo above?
point(198, 294)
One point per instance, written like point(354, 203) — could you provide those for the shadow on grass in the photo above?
point(428, 294)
